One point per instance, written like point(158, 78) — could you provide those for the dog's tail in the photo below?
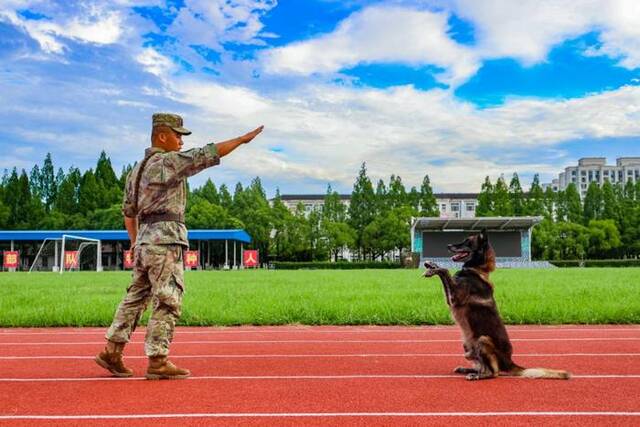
point(519, 371)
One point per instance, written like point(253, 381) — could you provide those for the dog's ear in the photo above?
point(484, 237)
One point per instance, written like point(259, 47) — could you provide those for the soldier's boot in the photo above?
point(160, 368)
point(111, 360)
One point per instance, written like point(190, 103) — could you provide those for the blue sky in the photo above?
point(455, 89)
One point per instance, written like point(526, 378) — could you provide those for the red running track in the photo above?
point(297, 375)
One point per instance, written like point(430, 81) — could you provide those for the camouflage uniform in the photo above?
point(158, 273)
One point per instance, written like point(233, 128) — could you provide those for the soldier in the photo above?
point(154, 205)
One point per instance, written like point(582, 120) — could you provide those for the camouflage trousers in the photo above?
point(158, 277)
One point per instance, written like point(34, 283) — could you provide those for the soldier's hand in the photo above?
point(246, 138)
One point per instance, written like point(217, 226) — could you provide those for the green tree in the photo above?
point(209, 192)
point(414, 200)
point(388, 232)
point(48, 183)
point(501, 202)
point(562, 209)
point(548, 203)
point(225, 198)
point(573, 204)
point(34, 182)
point(593, 203)
point(428, 203)
point(203, 214)
point(108, 185)
point(362, 207)
point(381, 198)
point(485, 199)
point(516, 196)
point(280, 218)
point(611, 201)
point(88, 193)
point(252, 208)
point(397, 194)
point(535, 201)
point(333, 209)
point(604, 238)
point(67, 195)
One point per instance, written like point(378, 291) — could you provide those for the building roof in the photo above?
point(37, 235)
point(490, 223)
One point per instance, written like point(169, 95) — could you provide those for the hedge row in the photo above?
point(598, 263)
point(282, 265)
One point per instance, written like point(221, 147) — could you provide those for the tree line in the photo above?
point(606, 224)
point(375, 225)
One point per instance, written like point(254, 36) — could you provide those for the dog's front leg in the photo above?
point(447, 281)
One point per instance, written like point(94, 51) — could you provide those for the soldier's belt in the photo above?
point(158, 217)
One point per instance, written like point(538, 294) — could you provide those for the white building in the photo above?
point(451, 205)
point(595, 169)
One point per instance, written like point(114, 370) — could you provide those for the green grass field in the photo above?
point(336, 297)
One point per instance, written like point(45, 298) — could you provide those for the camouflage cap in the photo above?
point(174, 121)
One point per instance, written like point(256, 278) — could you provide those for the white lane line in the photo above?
point(347, 330)
point(309, 356)
point(299, 377)
point(336, 341)
point(325, 415)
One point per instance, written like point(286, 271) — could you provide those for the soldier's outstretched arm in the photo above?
point(225, 147)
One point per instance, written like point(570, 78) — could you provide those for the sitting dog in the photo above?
point(469, 294)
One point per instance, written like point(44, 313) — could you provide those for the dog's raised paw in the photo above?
point(430, 265)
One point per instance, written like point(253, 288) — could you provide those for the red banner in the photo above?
point(192, 259)
point(70, 259)
point(128, 259)
point(250, 258)
point(11, 259)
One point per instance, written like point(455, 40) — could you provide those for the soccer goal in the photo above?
point(80, 253)
point(48, 256)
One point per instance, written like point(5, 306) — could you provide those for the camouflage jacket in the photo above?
point(163, 189)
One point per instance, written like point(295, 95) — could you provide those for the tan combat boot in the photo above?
point(111, 360)
point(161, 369)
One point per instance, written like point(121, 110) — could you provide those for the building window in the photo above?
point(455, 207)
point(471, 207)
point(443, 207)
point(583, 185)
point(583, 173)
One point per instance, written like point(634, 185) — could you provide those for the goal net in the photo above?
point(80, 253)
point(48, 256)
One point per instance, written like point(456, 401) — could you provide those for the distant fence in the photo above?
point(597, 263)
point(283, 265)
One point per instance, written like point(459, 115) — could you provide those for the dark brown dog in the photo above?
point(469, 294)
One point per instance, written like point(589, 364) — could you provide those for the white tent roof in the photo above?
point(490, 223)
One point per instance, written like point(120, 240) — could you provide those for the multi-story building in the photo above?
point(451, 205)
point(595, 169)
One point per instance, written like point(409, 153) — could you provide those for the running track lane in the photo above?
point(316, 391)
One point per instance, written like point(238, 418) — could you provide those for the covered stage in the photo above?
point(509, 236)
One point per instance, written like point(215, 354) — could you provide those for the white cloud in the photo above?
point(154, 62)
point(528, 29)
point(324, 132)
point(379, 34)
point(212, 22)
point(86, 22)
point(525, 30)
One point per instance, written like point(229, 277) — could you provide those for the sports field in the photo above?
point(326, 297)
